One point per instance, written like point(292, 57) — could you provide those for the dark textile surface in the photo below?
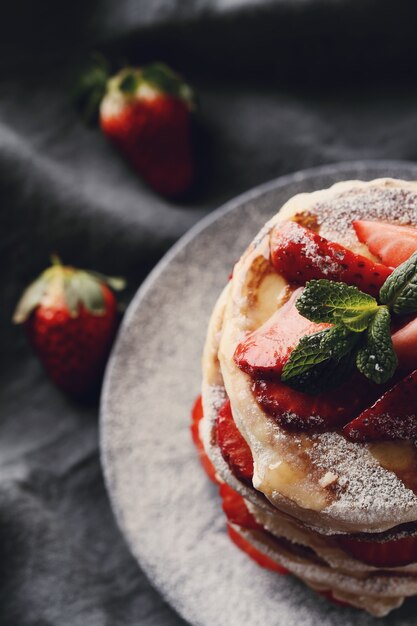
point(283, 85)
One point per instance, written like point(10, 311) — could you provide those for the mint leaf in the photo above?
point(327, 375)
point(399, 291)
point(320, 361)
point(336, 303)
point(339, 341)
point(306, 355)
point(376, 358)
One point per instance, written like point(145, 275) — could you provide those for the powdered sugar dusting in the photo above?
point(311, 250)
point(385, 202)
point(378, 594)
point(213, 398)
point(367, 493)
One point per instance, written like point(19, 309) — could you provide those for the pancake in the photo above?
point(310, 488)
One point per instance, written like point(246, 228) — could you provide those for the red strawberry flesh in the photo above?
point(301, 255)
point(392, 243)
point(256, 555)
point(237, 513)
point(233, 446)
point(382, 551)
point(295, 410)
point(404, 341)
point(393, 416)
point(267, 349)
point(196, 417)
point(236, 510)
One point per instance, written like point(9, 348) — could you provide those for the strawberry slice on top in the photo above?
point(295, 410)
point(266, 350)
point(392, 243)
point(393, 416)
point(301, 255)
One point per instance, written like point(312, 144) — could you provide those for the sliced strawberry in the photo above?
point(236, 510)
point(393, 416)
point(233, 446)
point(392, 243)
point(196, 417)
point(381, 553)
point(259, 557)
point(404, 341)
point(237, 513)
point(295, 410)
point(301, 255)
point(267, 349)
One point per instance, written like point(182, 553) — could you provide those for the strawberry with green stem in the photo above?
point(71, 319)
point(146, 113)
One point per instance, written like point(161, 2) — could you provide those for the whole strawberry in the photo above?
point(71, 319)
point(146, 113)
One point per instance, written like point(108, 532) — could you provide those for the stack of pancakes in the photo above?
point(312, 491)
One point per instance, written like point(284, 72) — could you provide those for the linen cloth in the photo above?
point(282, 86)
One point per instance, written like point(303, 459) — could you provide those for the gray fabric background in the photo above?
point(283, 85)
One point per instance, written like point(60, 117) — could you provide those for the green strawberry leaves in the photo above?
point(81, 289)
point(166, 80)
point(360, 335)
point(30, 299)
point(129, 81)
point(65, 286)
point(90, 88)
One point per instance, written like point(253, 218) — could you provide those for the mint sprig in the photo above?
point(360, 334)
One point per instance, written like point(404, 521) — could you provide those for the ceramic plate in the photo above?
point(166, 507)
